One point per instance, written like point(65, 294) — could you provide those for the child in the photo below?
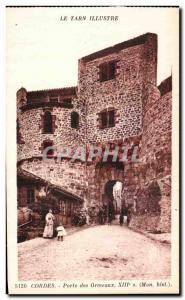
point(61, 232)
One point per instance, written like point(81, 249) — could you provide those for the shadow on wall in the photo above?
point(149, 199)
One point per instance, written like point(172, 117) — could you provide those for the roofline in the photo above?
point(52, 90)
point(33, 176)
point(118, 47)
point(40, 180)
point(60, 190)
point(165, 86)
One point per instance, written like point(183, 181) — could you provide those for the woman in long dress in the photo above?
point(48, 230)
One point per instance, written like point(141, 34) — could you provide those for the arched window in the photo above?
point(74, 119)
point(48, 123)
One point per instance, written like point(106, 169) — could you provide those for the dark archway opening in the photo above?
point(109, 188)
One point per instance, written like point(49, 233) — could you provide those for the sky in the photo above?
point(42, 51)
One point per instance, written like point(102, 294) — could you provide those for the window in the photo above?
point(74, 119)
point(50, 152)
point(30, 196)
point(53, 99)
point(48, 123)
point(107, 119)
point(107, 71)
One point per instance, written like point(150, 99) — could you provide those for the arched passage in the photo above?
point(104, 173)
point(113, 193)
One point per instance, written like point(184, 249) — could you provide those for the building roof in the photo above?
point(165, 86)
point(60, 190)
point(66, 91)
point(28, 176)
point(124, 45)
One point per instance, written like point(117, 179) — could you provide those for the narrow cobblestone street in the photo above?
point(99, 252)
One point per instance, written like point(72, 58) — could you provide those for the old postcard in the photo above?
point(92, 150)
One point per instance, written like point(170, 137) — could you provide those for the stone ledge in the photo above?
point(45, 105)
point(163, 238)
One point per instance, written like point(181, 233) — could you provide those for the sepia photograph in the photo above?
point(92, 156)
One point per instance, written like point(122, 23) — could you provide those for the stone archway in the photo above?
point(113, 194)
point(106, 175)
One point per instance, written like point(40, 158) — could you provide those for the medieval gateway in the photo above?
point(116, 102)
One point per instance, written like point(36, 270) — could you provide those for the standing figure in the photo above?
point(87, 218)
point(48, 230)
point(121, 217)
point(110, 212)
point(123, 213)
point(104, 214)
point(61, 232)
point(100, 215)
point(117, 194)
point(129, 214)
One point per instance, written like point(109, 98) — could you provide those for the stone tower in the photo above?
point(111, 84)
point(50, 118)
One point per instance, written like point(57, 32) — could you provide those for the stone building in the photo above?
point(117, 102)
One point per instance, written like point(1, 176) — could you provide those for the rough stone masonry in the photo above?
point(116, 102)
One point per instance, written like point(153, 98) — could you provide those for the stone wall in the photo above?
point(134, 66)
point(145, 223)
point(60, 172)
point(66, 174)
point(156, 137)
point(155, 167)
point(31, 129)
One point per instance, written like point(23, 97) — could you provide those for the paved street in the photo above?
point(99, 252)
